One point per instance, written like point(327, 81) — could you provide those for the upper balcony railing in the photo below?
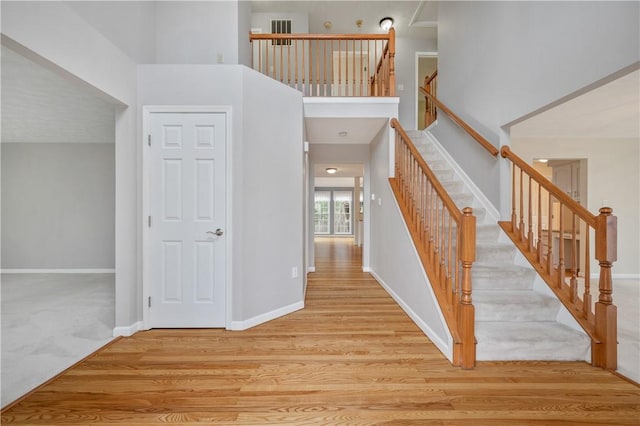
point(328, 64)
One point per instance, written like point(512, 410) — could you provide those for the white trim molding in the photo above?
point(127, 331)
point(58, 271)
point(268, 316)
point(311, 269)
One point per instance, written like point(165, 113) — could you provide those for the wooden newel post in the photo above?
point(466, 320)
point(392, 65)
point(604, 354)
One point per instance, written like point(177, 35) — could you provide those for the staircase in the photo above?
point(513, 321)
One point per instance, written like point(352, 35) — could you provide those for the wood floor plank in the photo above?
point(351, 357)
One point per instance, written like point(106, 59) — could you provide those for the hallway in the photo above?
point(350, 357)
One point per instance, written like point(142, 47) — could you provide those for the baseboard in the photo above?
point(492, 213)
point(128, 330)
point(445, 348)
point(625, 276)
point(57, 271)
point(366, 269)
point(619, 276)
point(262, 318)
point(311, 269)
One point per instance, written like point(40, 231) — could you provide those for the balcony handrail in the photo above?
point(328, 64)
point(461, 123)
point(445, 239)
point(309, 36)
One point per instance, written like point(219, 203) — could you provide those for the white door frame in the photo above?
point(418, 83)
point(147, 110)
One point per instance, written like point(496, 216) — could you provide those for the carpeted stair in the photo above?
point(513, 321)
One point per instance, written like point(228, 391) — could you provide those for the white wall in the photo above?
point(266, 234)
point(130, 25)
point(299, 21)
point(58, 38)
point(192, 32)
point(406, 49)
point(613, 174)
point(394, 261)
point(58, 206)
point(499, 61)
point(197, 32)
point(244, 27)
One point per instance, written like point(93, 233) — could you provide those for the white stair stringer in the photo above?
point(513, 320)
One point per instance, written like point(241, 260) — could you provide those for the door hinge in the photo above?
point(149, 221)
point(149, 140)
point(149, 301)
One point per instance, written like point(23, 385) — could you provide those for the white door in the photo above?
point(187, 221)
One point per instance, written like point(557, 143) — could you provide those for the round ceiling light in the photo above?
point(386, 23)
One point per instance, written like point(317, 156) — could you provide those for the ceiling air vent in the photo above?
point(281, 26)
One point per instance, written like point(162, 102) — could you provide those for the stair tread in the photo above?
point(539, 340)
point(503, 289)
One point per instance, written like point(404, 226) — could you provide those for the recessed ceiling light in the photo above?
point(331, 170)
point(542, 160)
point(343, 133)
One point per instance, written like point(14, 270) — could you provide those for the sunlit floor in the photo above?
point(50, 322)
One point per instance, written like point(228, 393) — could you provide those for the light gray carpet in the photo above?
point(49, 322)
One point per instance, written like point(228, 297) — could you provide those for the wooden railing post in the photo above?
point(605, 352)
point(392, 65)
point(467, 311)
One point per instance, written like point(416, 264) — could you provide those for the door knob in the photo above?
point(218, 232)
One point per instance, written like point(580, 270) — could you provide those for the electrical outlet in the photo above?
point(294, 272)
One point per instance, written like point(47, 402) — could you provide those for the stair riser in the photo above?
point(501, 283)
point(493, 255)
point(511, 324)
point(515, 312)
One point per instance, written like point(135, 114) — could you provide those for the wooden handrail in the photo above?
point(430, 108)
point(475, 135)
point(559, 194)
point(430, 78)
point(445, 239)
point(544, 245)
point(328, 64)
point(304, 36)
point(442, 193)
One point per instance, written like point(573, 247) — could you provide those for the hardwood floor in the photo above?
point(351, 357)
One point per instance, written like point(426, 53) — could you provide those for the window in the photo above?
point(322, 200)
point(333, 212)
point(342, 212)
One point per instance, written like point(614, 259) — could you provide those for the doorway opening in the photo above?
point(58, 217)
point(426, 64)
point(337, 203)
